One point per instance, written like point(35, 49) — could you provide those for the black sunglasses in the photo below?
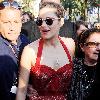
point(49, 21)
point(14, 4)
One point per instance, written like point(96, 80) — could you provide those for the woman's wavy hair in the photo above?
point(60, 9)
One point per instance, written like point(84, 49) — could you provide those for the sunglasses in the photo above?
point(48, 21)
point(92, 44)
point(14, 4)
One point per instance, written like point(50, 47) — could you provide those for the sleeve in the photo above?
point(6, 76)
point(75, 89)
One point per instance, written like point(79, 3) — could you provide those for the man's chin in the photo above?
point(14, 41)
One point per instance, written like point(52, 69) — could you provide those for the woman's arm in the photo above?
point(25, 64)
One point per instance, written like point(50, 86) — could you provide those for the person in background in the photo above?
point(11, 46)
point(29, 27)
point(81, 26)
point(97, 25)
point(27, 16)
point(85, 69)
point(48, 64)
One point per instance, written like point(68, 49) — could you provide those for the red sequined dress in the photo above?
point(48, 83)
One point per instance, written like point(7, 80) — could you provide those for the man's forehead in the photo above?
point(10, 11)
point(10, 15)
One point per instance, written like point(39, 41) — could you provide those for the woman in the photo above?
point(86, 80)
point(47, 60)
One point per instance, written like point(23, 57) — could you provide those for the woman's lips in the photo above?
point(45, 31)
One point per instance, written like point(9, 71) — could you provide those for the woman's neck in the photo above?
point(89, 63)
point(54, 41)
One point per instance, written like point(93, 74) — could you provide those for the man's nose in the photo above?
point(11, 27)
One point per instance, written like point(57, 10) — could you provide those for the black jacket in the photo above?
point(85, 82)
point(9, 65)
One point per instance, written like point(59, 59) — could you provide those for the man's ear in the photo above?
point(62, 22)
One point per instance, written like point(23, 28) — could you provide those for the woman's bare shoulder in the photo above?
point(68, 41)
point(30, 52)
point(32, 47)
point(33, 44)
point(70, 44)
